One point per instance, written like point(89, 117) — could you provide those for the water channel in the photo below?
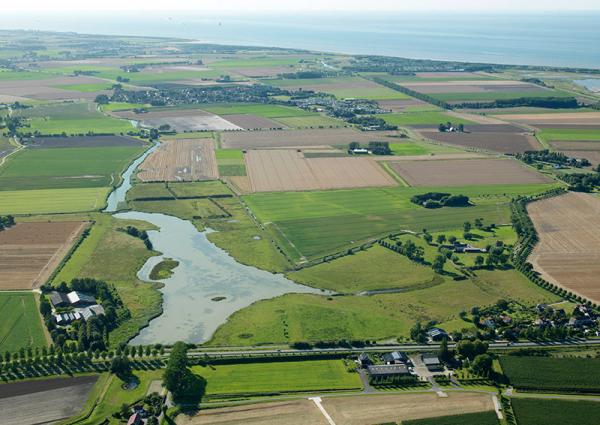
point(206, 287)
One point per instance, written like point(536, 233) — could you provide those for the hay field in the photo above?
point(501, 142)
point(181, 160)
point(298, 138)
point(464, 172)
point(287, 170)
point(29, 252)
point(568, 253)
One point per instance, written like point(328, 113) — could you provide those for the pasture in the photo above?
point(552, 374)
point(276, 377)
point(374, 269)
point(433, 118)
point(464, 172)
point(501, 142)
point(569, 134)
point(342, 87)
point(300, 317)
point(230, 162)
point(296, 138)
point(67, 167)
point(569, 232)
point(287, 170)
point(29, 252)
point(532, 411)
point(83, 141)
point(21, 325)
point(48, 201)
point(312, 224)
point(181, 160)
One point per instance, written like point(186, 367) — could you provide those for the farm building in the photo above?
point(395, 357)
point(432, 362)
point(384, 371)
point(135, 419)
point(467, 248)
point(79, 298)
point(79, 314)
point(364, 360)
point(59, 299)
point(437, 334)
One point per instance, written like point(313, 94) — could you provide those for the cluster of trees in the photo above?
point(531, 157)
point(409, 249)
point(299, 75)
point(142, 234)
point(583, 182)
point(177, 377)
point(372, 122)
point(440, 199)
point(6, 221)
point(11, 124)
point(376, 148)
point(534, 102)
point(442, 128)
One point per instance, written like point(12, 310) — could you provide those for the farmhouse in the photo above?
point(432, 362)
point(364, 360)
point(384, 371)
point(437, 334)
point(467, 248)
point(395, 357)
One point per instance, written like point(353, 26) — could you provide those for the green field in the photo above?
point(310, 121)
point(23, 75)
point(567, 134)
point(312, 224)
point(531, 411)
point(375, 268)
point(122, 106)
point(21, 324)
point(342, 87)
point(66, 167)
point(552, 374)
point(230, 162)
point(481, 418)
point(53, 200)
point(299, 317)
point(422, 118)
point(86, 88)
point(412, 147)
point(277, 377)
point(267, 111)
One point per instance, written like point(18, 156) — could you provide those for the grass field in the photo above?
point(481, 418)
point(53, 200)
point(411, 147)
point(122, 106)
point(311, 224)
point(21, 324)
point(277, 377)
point(531, 411)
point(267, 111)
point(86, 88)
point(566, 134)
point(66, 167)
point(375, 268)
point(422, 118)
point(296, 317)
point(552, 374)
point(230, 162)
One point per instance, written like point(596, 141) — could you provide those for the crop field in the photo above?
point(436, 76)
point(576, 118)
point(531, 411)
point(297, 138)
point(47, 201)
point(404, 105)
point(311, 224)
point(231, 162)
point(253, 122)
point(83, 141)
point(286, 170)
point(266, 111)
point(311, 121)
point(463, 172)
point(21, 325)
point(471, 86)
point(569, 231)
point(67, 167)
point(277, 377)
point(480, 418)
point(552, 374)
point(180, 120)
point(54, 399)
point(420, 118)
point(587, 150)
point(497, 142)
point(29, 252)
point(181, 160)
point(342, 87)
point(42, 86)
point(300, 317)
point(578, 134)
point(374, 269)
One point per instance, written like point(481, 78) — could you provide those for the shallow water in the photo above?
point(592, 84)
point(204, 272)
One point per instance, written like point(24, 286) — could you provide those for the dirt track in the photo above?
point(29, 252)
point(181, 160)
point(568, 253)
point(467, 172)
point(288, 170)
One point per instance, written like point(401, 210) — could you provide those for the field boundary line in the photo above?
point(317, 401)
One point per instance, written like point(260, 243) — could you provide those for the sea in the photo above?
point(566, 39)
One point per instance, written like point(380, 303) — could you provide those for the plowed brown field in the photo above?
point(287, 170)
point(181, 160)
point(464, 172)
point(568, 253)
point(29, 252)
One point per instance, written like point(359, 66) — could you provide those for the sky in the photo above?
point(61, 6)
